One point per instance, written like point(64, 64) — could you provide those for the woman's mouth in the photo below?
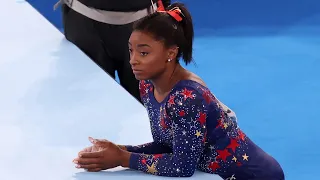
point(136, 71)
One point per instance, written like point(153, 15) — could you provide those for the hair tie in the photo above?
point(174, 12)
point(160, 6)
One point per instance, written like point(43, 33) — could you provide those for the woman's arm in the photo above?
point(152, 147)
point(148, 148)
point(189, 119)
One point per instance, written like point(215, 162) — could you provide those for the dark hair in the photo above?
point(165, 28)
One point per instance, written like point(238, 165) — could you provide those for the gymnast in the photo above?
point(191, 129)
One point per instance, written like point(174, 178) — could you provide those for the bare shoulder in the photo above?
point(193, 77)
point(224, 107)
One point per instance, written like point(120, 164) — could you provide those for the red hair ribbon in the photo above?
point(174, 12)
point(160, 6)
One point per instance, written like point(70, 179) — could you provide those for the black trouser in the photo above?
point(105, 44)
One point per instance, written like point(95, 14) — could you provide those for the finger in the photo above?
point(88, 149)
point(91, 150)
point(95, 154)
point(94, 170)
point(86, 161)
point(92, 140)
point(89, 166)
point(99, 142)
point(75, 160)
point(102, 144)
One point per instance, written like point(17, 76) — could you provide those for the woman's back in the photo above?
point(225, 149)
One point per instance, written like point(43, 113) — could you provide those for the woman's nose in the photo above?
point(133, 60)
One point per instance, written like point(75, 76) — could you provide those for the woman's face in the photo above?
point(148, 57)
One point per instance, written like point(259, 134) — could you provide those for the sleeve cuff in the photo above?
point(129, 148)
point(134, 161)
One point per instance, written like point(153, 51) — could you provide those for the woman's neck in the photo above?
point(165, 82)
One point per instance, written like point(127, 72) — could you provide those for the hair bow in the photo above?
point(174, 12)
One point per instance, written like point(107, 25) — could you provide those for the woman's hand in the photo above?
point(101, 156)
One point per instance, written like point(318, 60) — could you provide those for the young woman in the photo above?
point(190, 128)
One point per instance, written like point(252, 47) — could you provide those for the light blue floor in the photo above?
point(268, 73)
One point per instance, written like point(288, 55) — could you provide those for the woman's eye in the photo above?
point(144, 53)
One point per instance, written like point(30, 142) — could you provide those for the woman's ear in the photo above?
point(173, 52)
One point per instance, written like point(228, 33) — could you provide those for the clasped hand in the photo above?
point(102, 155)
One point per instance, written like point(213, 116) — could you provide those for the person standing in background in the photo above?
point(101, 29)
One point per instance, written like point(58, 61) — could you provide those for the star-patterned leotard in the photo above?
point(192, 131)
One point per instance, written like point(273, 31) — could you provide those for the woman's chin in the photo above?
point(139, 77)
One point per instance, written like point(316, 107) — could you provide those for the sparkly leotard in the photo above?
point(192, 131)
